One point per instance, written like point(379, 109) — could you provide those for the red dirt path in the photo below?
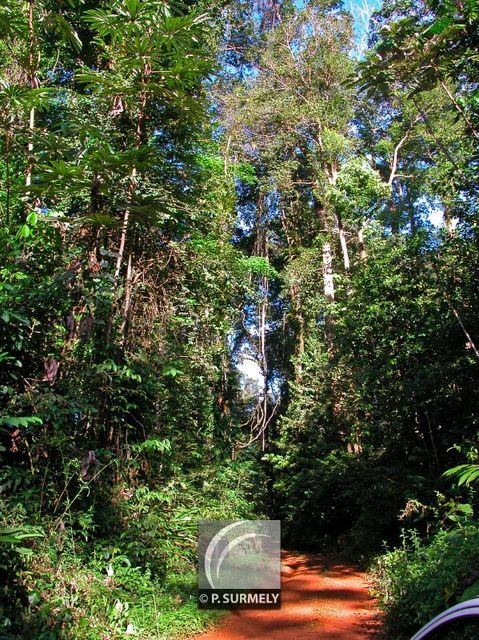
point(321, 600)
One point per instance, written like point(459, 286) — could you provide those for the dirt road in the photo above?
point(321, 600)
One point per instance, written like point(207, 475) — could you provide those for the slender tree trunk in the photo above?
point(431, 437)
point(448, 220)
point(125, 226)
point(362, 247)
point(262, 249)
point(31, 129)
point(8, 139)
point(300, 340)
point(328, 274)
point(33, 82)
point(264, 365)
point(329, 292)
point(127, 213)
point(344, 244)
point(263, 309)
point(131, 188)
point(470, 342)
point(127, 301)
point(226, 156)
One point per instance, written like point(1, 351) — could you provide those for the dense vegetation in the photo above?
point(187, 187)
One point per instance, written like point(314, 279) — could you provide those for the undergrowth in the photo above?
point(420, 579)
point(121, 564)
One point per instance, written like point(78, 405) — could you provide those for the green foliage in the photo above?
point(123, 559)
point(258, 266)
point(418, 580)
point(341, 471)
point(15, 535)
point(162, 220)
point(465, 474)
point(358, 192)
point(114, 360)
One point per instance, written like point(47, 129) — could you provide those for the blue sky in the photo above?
point(362, 10)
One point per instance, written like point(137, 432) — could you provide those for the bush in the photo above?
point(418, 580)
point(120, 561)
point(341, 502)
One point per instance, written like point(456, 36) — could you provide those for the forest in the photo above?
point(239, 268)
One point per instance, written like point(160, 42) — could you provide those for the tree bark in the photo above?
point(8, 139)
point(124, 227)
point(127, 301)
point(448, 220)
point(329, 292)
point(362, 247)
point(127, 214)
point(33, 82)
point(300, 340)
point(328, 274)
point(343, 243)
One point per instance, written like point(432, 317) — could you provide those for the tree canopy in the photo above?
point(239, 269)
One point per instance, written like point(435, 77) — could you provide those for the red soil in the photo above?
point(321, 600)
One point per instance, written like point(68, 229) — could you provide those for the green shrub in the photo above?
point(122, 558)
point(418, 580)
point(340, 501)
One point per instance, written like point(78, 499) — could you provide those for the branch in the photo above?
point(400, 144)
point(459, 109)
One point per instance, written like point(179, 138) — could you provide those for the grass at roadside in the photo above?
point(104, 600)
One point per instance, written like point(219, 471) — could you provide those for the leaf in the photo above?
point(32, 218)
point(465, 508)
point(464, 473)
point(132, 8)
point(34, 598)
point(172, 372)
point(24, 551)
point(22, 421)
point(97, 219)
point(57, 24)
point(24, 231)
point(13, 535)
point(470, 592)
point(438, 26)
point(153, 444)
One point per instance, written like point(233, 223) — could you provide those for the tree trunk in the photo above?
point(362, 247)
point(300, 340)
point(8, 138)
point(448, 220)
point(344, 244)
point(328, 279)
point(125, 226)
point(126, 215)
point(328, 275)
point(262, 249)
point(127, 301)
point(328, 272)
point(31, 129)
point(33, 83)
